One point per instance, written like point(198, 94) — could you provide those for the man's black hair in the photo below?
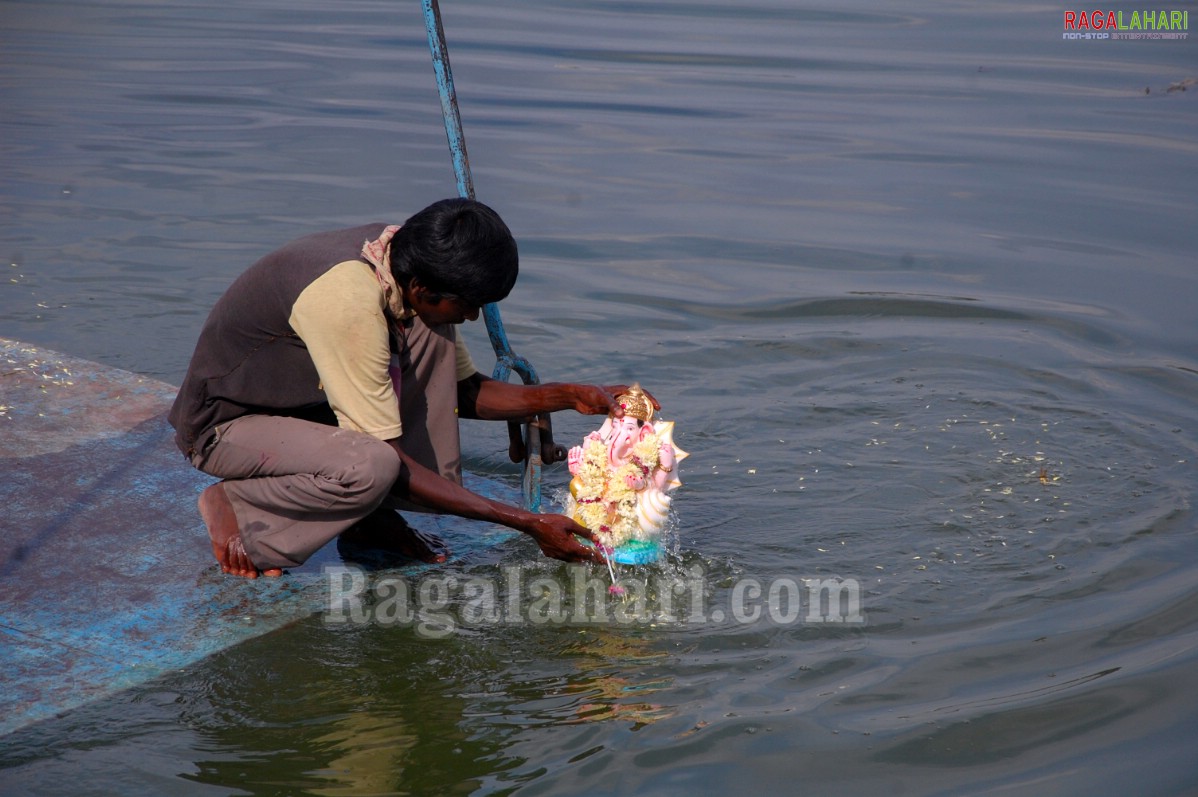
point(457, 248)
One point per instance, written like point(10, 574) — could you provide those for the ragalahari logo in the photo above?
point(1114, 25)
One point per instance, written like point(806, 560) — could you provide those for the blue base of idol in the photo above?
point(635, 552)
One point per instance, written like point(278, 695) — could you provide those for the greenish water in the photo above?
point(917, 286)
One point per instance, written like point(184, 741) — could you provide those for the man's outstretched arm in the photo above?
point(483, 398)
point(554, 534)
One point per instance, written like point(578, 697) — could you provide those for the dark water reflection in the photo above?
point(916, 285)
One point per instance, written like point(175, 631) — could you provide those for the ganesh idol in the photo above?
point(623, 475)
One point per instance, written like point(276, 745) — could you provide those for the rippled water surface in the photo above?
point(917, 285)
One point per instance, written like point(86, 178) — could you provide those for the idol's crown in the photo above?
point(636, 404)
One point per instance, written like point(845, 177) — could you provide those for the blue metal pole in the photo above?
point(505, 360)
point(449, 98)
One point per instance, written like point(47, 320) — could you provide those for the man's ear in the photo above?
point(426, 294)
point(418, 290)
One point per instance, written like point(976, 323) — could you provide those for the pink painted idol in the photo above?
point(623, 474)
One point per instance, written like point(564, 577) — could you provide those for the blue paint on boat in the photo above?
point(107, 578)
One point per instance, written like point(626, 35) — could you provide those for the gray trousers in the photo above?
point(295, 485)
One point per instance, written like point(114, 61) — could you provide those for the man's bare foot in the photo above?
point(218, 516)
point(386, 530)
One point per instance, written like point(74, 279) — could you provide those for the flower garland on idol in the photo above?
point(605, 499)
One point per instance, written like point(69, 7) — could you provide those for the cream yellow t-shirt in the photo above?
point(340, 319)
